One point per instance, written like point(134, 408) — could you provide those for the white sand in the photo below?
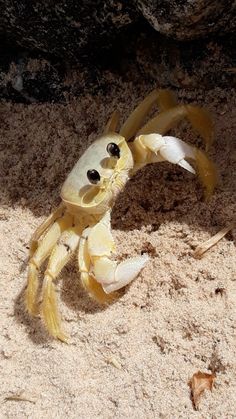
point(134, 358)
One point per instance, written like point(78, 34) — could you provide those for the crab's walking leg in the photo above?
point(163, 98)
point(109, 273)
point(39, 256)
point(164, 121)
point(93, 288)
point(154, 147)
point(166, 100)
point(60, 255)
point(44, 226)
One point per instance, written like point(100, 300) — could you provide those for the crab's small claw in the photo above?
point(120, 274)
point(90, 284)
point(107, 271)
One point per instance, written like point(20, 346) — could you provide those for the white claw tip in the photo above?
point(183, 163)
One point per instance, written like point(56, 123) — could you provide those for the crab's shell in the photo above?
point(79, 195)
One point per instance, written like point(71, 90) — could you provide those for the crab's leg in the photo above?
point(44, 226)
point(154, 148)
point(42, 252)
point(164, 121)
point(164, 99)
point(60, 255)
point(93, 288)
point(112, 123)
point(109, 273)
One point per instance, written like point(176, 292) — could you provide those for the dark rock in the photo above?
point(163, 62)
point(140, 56)
point(71, 29)
point(189, 19)
point(202, 63)
point(29, 78)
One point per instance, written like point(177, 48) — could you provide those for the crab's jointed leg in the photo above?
point(164, 99)
point(60, 256)
point(170, 113)
point(155, 148)
point(42, 252)
point(44, 226)
point(108, 272)
point(164, 121)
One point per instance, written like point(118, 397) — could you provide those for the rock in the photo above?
point(29, 79)
point(151, 58)
point(189, 19)
point(81, 30)
point(199, 63)
point(71, 29)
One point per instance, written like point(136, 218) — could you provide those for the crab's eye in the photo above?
point(113, 150)
point(93, 176)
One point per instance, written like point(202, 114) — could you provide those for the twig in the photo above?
point(202, 248)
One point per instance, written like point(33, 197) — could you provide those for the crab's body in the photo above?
point(79, 195)
point(82, 221)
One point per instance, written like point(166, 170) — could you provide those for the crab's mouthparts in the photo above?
point(91, 195)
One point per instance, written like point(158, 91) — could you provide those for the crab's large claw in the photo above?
point(155, 148)
point(109, 273)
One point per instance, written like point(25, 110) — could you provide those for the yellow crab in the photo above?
point(82, 222)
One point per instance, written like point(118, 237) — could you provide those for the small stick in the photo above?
point(22, 396)
point(202, 248)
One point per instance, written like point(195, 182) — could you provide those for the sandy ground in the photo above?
point(134, 358)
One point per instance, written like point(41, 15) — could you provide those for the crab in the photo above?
point(82, 222)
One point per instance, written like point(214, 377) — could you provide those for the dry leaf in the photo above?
point(202, 248)
point(22, 396)
point(200, 382)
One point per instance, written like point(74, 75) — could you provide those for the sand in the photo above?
point(134, 358)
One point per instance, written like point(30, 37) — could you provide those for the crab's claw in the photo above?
point(170, 114)
point(106, 271)
point(114, 276)
point(155, 148)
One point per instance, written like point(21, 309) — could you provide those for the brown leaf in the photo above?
point(200, 382)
